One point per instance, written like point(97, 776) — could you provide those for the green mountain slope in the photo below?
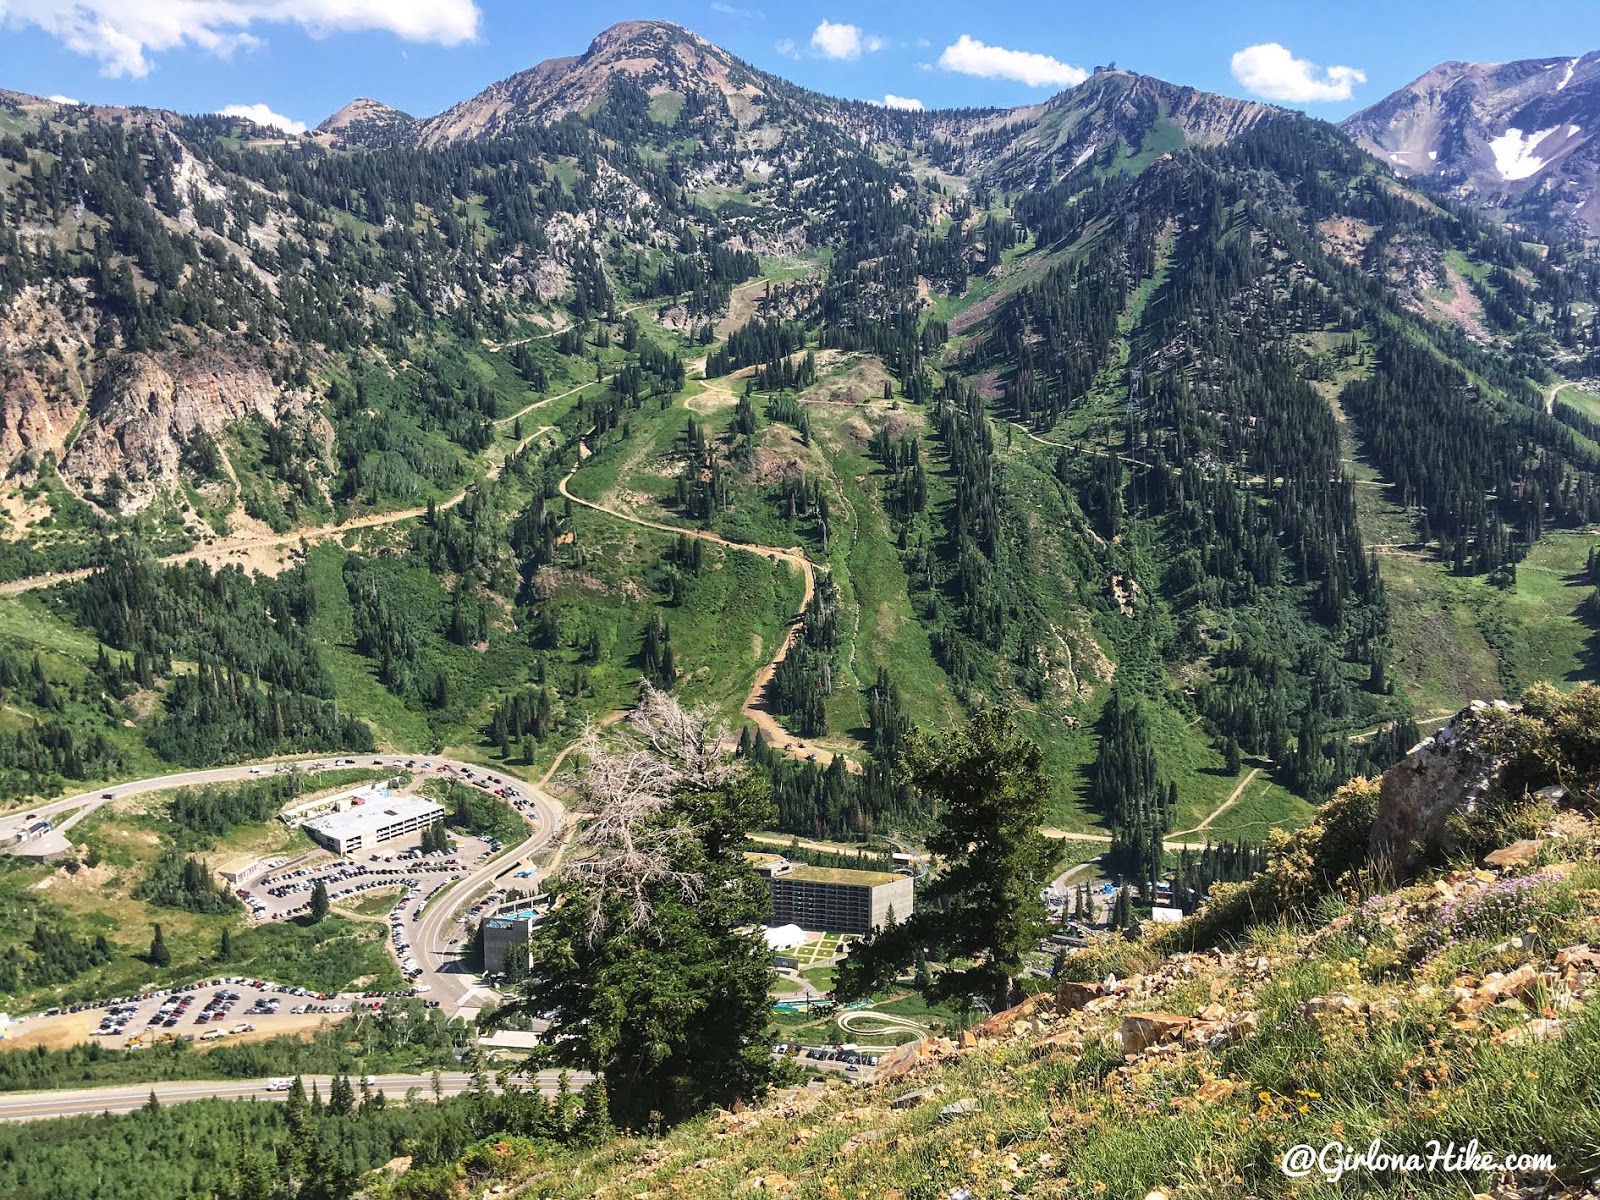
point(1138, 394)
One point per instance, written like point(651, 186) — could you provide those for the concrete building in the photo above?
point(512, 1043)
point(509, 931)
point(372, 818)
point(833, 899)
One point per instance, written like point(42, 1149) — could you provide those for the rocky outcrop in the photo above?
point(144, 412)
point(1446, 775)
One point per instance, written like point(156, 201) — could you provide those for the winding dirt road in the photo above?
point(754, 709)
point(219, 551)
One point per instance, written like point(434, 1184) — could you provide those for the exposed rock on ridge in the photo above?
point(1524, 135)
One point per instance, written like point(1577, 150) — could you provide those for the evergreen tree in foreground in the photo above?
point(647, 963)
point(988, 785)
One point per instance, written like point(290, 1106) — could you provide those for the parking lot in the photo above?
point(231, 1008)
point(853, 1062)
point(285, 891)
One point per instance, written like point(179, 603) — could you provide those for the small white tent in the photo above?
point(785, 937)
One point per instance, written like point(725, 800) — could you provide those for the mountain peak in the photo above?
point(627, 32)
point(367, 122)
point(1520, 135)
point(657, 55)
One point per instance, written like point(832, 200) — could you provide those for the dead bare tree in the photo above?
point(627, 790)
point(690, 742)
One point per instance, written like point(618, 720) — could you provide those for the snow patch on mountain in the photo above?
point(1513, 154)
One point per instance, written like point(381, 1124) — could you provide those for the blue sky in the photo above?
point(304, 58)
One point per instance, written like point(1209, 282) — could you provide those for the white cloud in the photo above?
point(840, 41)
point(63, 100)
point(785, 47)
point(903, 103)
point(262, 115)
point(972, 57)
point(733, 10)
point(123, 34)
point(1270, 71)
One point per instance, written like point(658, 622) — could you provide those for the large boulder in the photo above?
point(1140, 1031)
point(1447, 775)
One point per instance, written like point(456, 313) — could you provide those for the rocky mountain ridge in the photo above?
point(1522, 136)
point(674, 67)
point(657, 56)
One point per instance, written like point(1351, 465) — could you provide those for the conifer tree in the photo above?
point(341, 1096)
point(319, 901)
point(655, 923)
point(988, 784)
point(159, 955)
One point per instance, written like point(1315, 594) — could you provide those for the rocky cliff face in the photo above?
point(658, 56)
point(128, 416)
point(1520, 136)
point(41, 391)
point(146, 410)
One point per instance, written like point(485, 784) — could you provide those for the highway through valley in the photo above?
point(127, 1098)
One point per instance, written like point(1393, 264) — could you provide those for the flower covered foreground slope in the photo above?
point(1328, 1029)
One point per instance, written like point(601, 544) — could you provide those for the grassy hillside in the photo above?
point(1456, 1008)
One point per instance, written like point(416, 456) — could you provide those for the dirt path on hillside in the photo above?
point(754, 708)
point(1224, 806)
point(1104, 839)
point(226, 549)
point(558, 330)
point(266, 552)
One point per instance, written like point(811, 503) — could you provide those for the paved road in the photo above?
point(434, 942)
point(88, 802)
point(38, 1106)
point(443, 975)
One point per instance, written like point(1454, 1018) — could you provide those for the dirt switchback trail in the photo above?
point(1225, 805)
point(216, 552)
point(754, 708)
